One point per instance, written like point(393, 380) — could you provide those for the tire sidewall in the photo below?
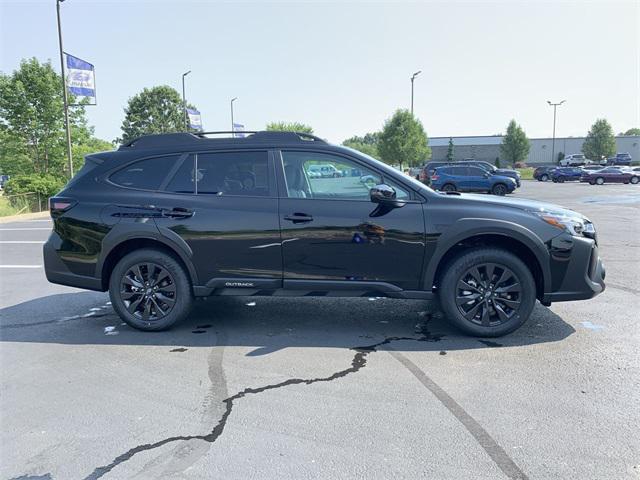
point(499, 190)
point(447, 290)
point(184, 295)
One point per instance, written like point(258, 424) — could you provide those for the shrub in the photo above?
point(520, 165)
point(45, 184)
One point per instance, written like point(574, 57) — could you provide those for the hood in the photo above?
point(519, 203)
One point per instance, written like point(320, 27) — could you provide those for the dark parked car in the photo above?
point(429, 168)
point(620, 159)
point(461, 178)
point(566, 174)
point(610, 175)
point(167, 218)
point(543, 174)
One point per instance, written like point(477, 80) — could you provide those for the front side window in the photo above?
point(146, 174)
point(231, 173)
point(325, 176)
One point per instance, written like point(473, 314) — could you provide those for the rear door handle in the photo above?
point(178, 212)
point(299, 218)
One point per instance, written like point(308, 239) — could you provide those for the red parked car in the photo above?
point(610, 175)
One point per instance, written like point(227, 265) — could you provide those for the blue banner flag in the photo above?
point(238, 128)
point(195, 120)
point(81, 79)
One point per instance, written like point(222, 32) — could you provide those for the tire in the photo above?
point(592, 182)
point(544, 177)
point(510, 274)
point(599, 181)
point(448, 187)
point(499, 189)
point(560, 179)
point(634, 180)
point(170, 299)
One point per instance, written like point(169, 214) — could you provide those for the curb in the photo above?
point(24, 216)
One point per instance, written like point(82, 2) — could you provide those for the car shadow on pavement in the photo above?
point(267, 324)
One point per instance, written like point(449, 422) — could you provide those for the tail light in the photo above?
point(61, 204)
point(434, 177)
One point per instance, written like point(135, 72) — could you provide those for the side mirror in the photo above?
point(384, 195)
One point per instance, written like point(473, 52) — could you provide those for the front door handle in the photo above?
point(299, 218)
point(178, 212)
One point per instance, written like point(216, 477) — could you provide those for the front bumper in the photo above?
point(579, 270)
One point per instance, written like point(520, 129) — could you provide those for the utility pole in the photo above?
point(65, 100)
point(233, 130)
point(184, 103)
point(553, 142)
point(413, 77)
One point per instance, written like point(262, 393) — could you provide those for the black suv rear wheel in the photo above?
point(487, 292)
point(150, 290)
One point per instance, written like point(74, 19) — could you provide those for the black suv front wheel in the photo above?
point(487, 292)
point(150, 290)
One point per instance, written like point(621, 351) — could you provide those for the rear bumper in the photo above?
point(584, 275)
point(57, 272)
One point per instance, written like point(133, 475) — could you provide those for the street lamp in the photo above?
point(553, 142)
point(413, 77)
point(65, 100)
point(184, 102)
point(233, 133)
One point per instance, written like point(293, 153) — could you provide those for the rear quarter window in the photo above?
point(145, 174)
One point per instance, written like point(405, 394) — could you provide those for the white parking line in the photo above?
point(22, 241)
point(20, 266)
point(25, 228)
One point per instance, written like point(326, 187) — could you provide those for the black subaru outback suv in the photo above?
point(167, 218)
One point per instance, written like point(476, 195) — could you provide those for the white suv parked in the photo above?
point(574, 160)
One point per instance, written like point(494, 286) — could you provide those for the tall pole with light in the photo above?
point(233, 130)
point(65, 100)
point(413, 77)
point(184, 103)
point(553, 141)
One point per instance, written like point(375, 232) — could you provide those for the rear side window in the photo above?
point(233, 173)
point(146, 174)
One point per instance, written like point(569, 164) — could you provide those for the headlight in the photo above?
point(574, 224)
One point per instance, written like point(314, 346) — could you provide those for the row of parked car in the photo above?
point(578, 159)
point(592, 174)
point(468, 176)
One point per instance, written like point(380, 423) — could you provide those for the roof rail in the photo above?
point(182, 138)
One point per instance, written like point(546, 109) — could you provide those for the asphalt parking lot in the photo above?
point(320, 387)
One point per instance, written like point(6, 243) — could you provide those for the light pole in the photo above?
point(413, 77)
point(553, 142)
point(184, 102)
point(233, 133)
point(65, 100)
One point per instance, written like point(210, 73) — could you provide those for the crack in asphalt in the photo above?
point(357, 363)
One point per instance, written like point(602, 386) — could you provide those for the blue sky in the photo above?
point(344, 67)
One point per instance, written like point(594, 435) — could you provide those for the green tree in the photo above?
point(450, 150)
point(32, 135)
point(367, 144)
point(154, 110)
point(600, 142)
point(632, 131)
point(515, 144)
point(289, 127)
point(403, 141)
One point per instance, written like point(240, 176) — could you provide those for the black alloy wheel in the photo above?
point(488, 294)
point(448, 187)
point(148, 291)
